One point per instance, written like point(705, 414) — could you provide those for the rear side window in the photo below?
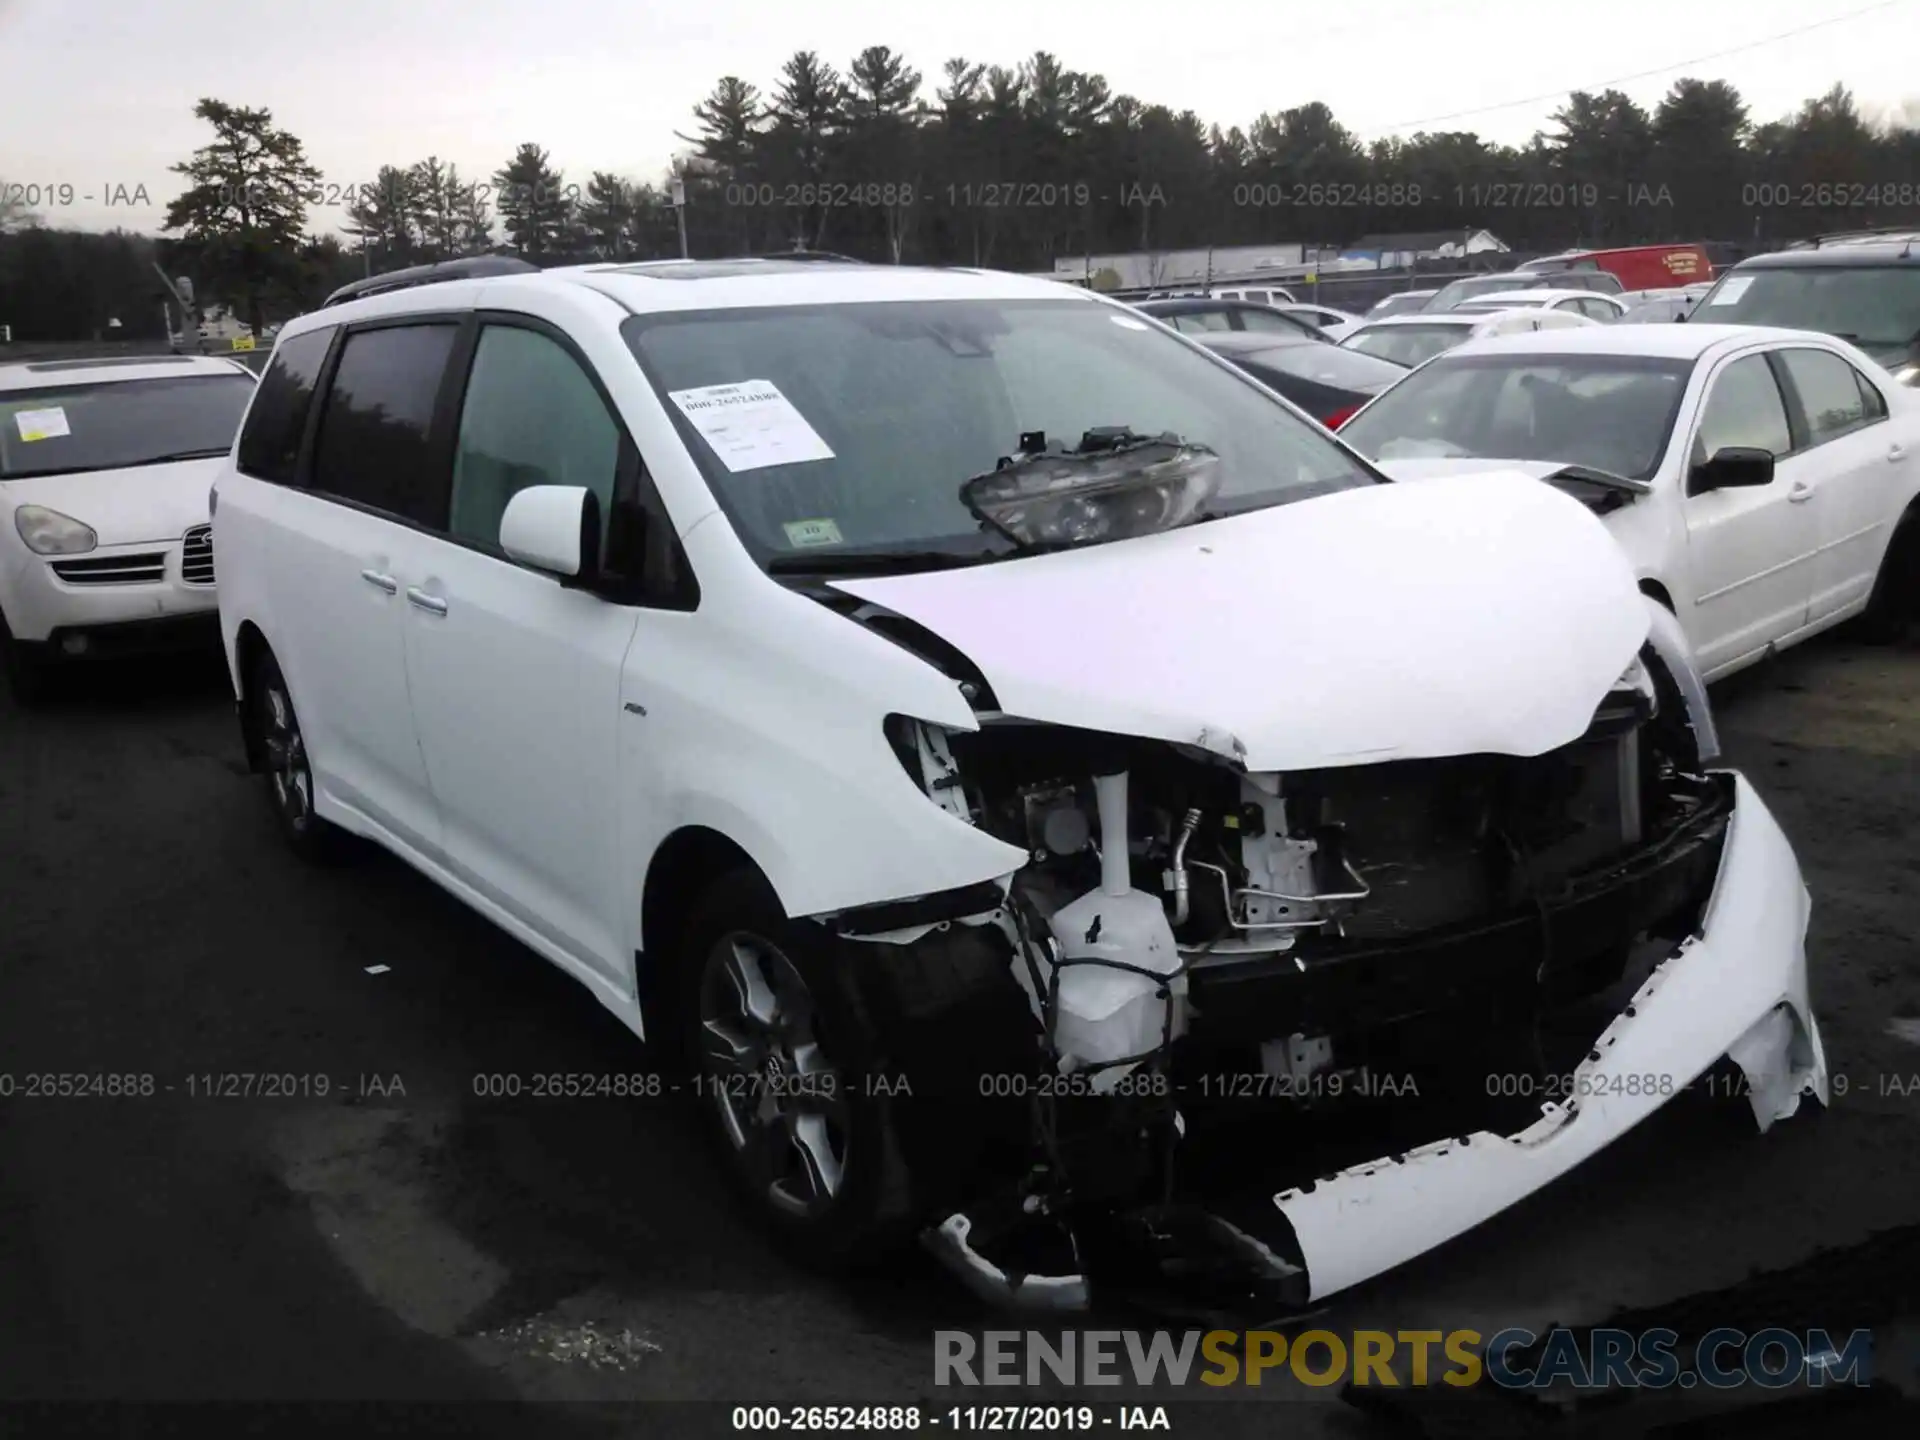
point(270, 440)
point(1830, 393)
point(373, 445)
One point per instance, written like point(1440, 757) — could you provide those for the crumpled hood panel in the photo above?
point(1462, 615)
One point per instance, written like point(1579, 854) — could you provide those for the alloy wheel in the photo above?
point(777, 1095)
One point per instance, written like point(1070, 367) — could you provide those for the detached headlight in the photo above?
point(48, 532)
point(1070, 497)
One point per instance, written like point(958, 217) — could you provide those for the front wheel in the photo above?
point(26, 670)
point(1895, 603)
point(289, 772)
point(781, 1064)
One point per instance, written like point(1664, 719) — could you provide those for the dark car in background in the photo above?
point(1329, 382)
point(1864, 289)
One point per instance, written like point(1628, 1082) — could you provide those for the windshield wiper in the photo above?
point(175, 457)
point(875, 562)
point(1594, 476)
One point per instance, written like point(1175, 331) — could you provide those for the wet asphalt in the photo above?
point(407, 1240)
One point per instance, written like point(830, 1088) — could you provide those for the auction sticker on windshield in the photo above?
point(751, 425)
point(1732, 290)
point(49, 424)
point(812, 532)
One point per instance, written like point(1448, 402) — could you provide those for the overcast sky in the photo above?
point(99, 94)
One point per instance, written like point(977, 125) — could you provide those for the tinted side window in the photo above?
point(270, 439)
point(373, 441)
point(532, 417)
point(1829, 393)
point(1206, 322)
point(1744, 408)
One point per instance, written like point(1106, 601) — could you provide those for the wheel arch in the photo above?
point(250, 647)
point(682, 867)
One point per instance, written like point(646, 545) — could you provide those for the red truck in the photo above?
point(1638, 267)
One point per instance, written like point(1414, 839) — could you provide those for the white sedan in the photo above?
point(1594, 306)
point(105, 542)
point(1763, 482)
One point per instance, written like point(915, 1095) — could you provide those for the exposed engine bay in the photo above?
point(1188, 936)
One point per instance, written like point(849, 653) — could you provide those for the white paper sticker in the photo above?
point(1732, 290)
point(751, 425)
point(812, 532)
point(48, 424)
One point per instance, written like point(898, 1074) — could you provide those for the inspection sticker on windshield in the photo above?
point(751, 425)
point(1732, 290)
point(811, 532)
point(48, 424)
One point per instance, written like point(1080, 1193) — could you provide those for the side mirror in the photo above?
point(1733, 467)
point(555, 528)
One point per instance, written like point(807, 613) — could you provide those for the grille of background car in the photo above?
point(196, 556)
point(113, 570)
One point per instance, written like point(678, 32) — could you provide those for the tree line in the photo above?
point(1012, 167)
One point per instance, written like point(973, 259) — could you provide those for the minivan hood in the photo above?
point(1471, 614)
point(139, 505)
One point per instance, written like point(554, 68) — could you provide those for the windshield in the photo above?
point(1397, 305)
point(1407, 345)
point(68, 429)
point(1608, 412)
point(850, 429)
point(1876, 307)
point(1475, 286)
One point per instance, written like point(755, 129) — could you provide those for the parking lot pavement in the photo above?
point(402, 1237)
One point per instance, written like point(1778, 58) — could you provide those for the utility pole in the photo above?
point(680, 211)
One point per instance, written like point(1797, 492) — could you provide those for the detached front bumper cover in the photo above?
point(1736, 989)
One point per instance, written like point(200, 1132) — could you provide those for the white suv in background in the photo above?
point(910, 696)
point(105, 468)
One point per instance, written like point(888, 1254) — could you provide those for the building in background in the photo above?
point(1402, 251)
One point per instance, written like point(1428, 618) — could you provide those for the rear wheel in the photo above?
point(288, 771)
point(781, 1059)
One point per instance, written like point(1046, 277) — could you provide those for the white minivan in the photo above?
point(981, 738)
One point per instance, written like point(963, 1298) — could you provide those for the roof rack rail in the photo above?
point(824, 256)
point(1879, 232)
point(471, 267)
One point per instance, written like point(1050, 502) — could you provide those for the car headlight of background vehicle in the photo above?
point(48, 532)
point(1908, 374)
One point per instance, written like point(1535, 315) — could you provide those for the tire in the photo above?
point(29, 677)
point(820, 1167)
point(1894, 606)
point(289, 777)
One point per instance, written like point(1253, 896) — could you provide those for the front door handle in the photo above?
point(1896, 452)
point(383, 582)
point(432, 604)
point(1800, 493)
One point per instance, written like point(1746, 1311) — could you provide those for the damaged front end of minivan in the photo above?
point(1400, 996)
